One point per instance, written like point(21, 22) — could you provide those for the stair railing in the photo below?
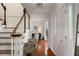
point(4, 7)
point(17, 32)
point(14, 33)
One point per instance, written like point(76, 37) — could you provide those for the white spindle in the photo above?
point(12, 47)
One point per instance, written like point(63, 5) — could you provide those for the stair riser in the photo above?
point(10, 30)
point(7, 29)
point(5, 40)
point(5, 47)
point(5, 35)
point(5, 54)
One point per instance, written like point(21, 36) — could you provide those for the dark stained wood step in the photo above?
point(5, 37)
point(1, 19)
point(16, 35)
point(5, 43)
point(5, 51)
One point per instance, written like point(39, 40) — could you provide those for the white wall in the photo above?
point(1, 12)
point(45, 30)
point(61, 30)
point(39, 21)
point(13, 14)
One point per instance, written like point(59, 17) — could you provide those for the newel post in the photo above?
point(24, 20)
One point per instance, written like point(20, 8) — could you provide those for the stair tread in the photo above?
point(16, 35)
point(5, 43)
point(5, 32)
point(5, 47)
point(5, 37)
point(8, 32)
point(8, 27)
point(5, 54)
point(5, 51)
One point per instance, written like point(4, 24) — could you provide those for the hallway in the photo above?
point(23, 24)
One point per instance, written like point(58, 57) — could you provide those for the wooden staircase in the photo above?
point(7, 33)
point(5, 41)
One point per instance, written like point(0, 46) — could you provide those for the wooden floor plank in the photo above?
point(41, 47)
point(50, 52)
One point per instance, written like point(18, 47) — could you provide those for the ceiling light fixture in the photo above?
point(39, 5)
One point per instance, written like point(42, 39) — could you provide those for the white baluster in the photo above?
point(11, 46)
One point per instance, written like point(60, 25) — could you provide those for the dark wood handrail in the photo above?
point(19, 21)
point(29, 22)
point(4, 7)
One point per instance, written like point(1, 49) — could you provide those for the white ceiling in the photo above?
point(31, 7)
point(38, 15)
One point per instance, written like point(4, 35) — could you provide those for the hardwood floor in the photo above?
point(42, 49)
point(50, 53)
